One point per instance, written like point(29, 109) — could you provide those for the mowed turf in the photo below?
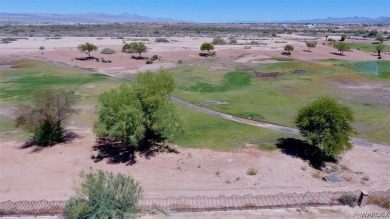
point(205, 131)
point(367, 47)
point(277, 91)
point(199, 130)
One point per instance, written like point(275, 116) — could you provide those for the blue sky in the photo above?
point(209, 10)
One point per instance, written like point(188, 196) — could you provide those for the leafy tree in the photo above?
point(104, 195)
point(139, 114)
point(341, 47)
point(326, 124)
point(46, 115)
point(289, 48)
point(380, 39)
point(87, 48)
point(311, 44)
point(379, 48)
point(208, 47)
point(135, 47)
point(343, 37)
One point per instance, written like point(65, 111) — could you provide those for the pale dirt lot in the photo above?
point(50, 173)
point(185, 48)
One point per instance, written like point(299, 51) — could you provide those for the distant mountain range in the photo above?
point(79, 18)
point(30, 18)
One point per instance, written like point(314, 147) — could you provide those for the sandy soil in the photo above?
point(50, 173)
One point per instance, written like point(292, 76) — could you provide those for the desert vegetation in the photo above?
point(87, 48)
point(135, 47)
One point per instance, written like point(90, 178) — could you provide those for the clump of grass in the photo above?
point(218, 173)
point(344, 168)
point(237, 179)
point(349, 200)
point(107, 51)
point(251, 116)
point(303, 168)
point(366, 178)
point(318, 175)
point(251, 171)
point(228, 181)
point(383, 202)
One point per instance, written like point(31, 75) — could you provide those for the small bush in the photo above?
point(107, 51)
point(247, 47)
point(41, 48)
point(180, 62)
point(232, 41)
point(251, 171)
point(161, 40)
point(104, 195)
point(349, 200)
point(148, 62)
point(380, 201)
point(218, 41)
point(154, 58)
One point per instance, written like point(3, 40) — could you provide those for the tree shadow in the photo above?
point(302, 149)
point(337, 54)
point(67, 137)
point(286, 53)
point(306, 50)
point(116, 152)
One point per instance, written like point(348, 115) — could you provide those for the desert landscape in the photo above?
point(237, 103)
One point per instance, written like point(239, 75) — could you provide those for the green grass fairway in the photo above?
point(19, 83)
point(204, 131)
point(275, 92)
point(377, 68)
point(367, 47)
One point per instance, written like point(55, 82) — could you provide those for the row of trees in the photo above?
point(142, 113)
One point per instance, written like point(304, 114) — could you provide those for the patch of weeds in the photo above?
point(359, 172)
point(251, 171)
point(228, 181)
point(318, 175)
point(199, 166)
point(383, 202)
point(303, 168)
point(366, 178)
point(156, 210)
point(344, 168)
point(178, 168)
point(349, 200)
point(237, 179)
point(189, 155)
point(217, 174)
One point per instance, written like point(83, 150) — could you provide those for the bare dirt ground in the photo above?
point(27, 174)
point(184, 48)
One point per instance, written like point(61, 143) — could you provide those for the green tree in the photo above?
point(46, 115)
point(289, 48)
point(379, 48)
point(326, 124)
point(341, 47)
point(343, 37)
point(380, 39)
point(311, 44)
point(104, 195)
point(139, 114)
point(208, 47)
point(135, 47)
point(87, 48)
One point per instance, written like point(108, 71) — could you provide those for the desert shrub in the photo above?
point(46, 115)
point(247, 47)
point(251, 171)
point(107, 51)
point(135, 47)
point(104, 195)
point(218, 40)
point(180, 62)
point(343, 37)
point(41, 48)
point(273, 35)
point(232, 41)
point(383, 202)
point(148, 62)
point(350, 200)
point(331, 40)
point(161, 40)
point(154, 58)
